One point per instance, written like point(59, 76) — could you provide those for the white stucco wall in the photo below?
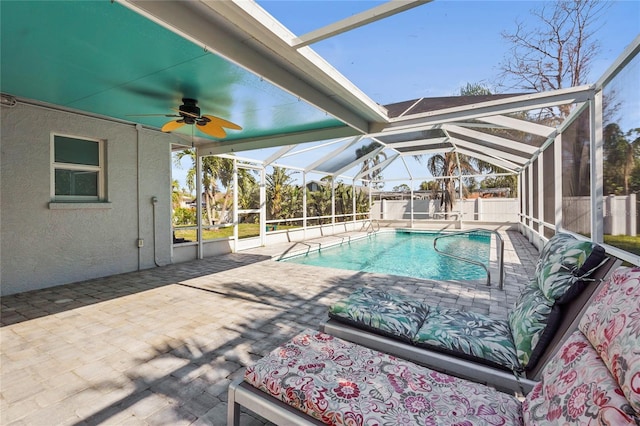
point(43, 247)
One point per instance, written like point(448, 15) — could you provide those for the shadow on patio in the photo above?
point(165, 352)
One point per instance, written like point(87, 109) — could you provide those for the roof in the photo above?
point(242, 65)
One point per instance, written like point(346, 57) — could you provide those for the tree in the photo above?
point(428, 186)
point(402, 188)
point(370, 174)
point(217, 173)
point(319, 202)
point(556, 54)
point(248, 190)
point(448, 165)
point(278, 185)
point(621, 159)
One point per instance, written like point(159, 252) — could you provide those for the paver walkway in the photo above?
point(160, 346)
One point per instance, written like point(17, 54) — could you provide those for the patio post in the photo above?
point(333, 204)
point(597, 167)
point(530, 206)
point(200, 254)
point(353, 190)
point(557, 177)
point(304, 204)
point(235, 205)
point(540, 195)
point(411, 208)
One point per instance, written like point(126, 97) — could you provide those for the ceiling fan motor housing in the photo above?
point(191, 110)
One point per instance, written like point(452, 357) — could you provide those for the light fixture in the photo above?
point(8, 100)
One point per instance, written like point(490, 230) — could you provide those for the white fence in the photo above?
point(620, 214)
point(503, 210)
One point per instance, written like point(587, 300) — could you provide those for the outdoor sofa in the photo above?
point(503, 352)
point(316, 378)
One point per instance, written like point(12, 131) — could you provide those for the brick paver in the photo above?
point(160, 346)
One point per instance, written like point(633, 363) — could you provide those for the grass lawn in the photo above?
point(624, 242)
point(245, 230)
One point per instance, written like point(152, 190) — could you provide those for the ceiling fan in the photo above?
point(189, 113)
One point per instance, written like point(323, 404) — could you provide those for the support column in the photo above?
point(597, 166)
point(235, 217)
point(263, 205)
point(557, 177)
point(411, 205)
point(200, 254)
point(304, 205)
point(353, 190)
point(540, 195)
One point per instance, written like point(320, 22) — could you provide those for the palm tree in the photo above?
point(217, 173)
point(278, 183)
point(446, 166)
point(373, 176)
point(248, 190)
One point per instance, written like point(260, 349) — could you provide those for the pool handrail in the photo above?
point(370, 229)
point(499, 251)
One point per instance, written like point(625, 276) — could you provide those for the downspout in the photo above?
point(140, 240)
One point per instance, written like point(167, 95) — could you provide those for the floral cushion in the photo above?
point(576, 388)
point(469, 335)
point(385, 313)
point(612, 325)
point(528, 321)
point(340, 383)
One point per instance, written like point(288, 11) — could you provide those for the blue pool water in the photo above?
point(408, 254)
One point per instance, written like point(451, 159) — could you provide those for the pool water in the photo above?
point(408, 254)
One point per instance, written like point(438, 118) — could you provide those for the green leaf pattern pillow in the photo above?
point(555, 271)
point(393, 314)
point(528, 320)
point(479, 337)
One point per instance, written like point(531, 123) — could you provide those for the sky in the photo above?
point(437, 48)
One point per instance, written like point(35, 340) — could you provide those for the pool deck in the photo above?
point(160, 346)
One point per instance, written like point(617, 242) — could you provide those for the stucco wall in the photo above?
point(43, 247)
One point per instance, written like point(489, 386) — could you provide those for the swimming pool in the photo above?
point(406, 253)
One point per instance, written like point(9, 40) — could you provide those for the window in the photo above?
point(77, 169)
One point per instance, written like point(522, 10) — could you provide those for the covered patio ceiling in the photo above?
point(133, 61)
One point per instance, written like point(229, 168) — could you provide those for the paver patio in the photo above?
point(160, 346)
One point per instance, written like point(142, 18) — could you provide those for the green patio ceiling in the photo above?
point(103, 58)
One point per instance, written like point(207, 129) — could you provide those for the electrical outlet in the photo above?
point(140, 243)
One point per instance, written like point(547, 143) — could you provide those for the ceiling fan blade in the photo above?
point(172, 125)
point(152, 115)
point(212, 129)
point(222, 122)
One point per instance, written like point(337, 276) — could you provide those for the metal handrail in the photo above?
point(370, 229)
point(499, 252)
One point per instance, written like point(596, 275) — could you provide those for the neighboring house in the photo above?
point(50, 158)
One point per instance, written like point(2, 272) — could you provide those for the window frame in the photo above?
point(100, 169)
